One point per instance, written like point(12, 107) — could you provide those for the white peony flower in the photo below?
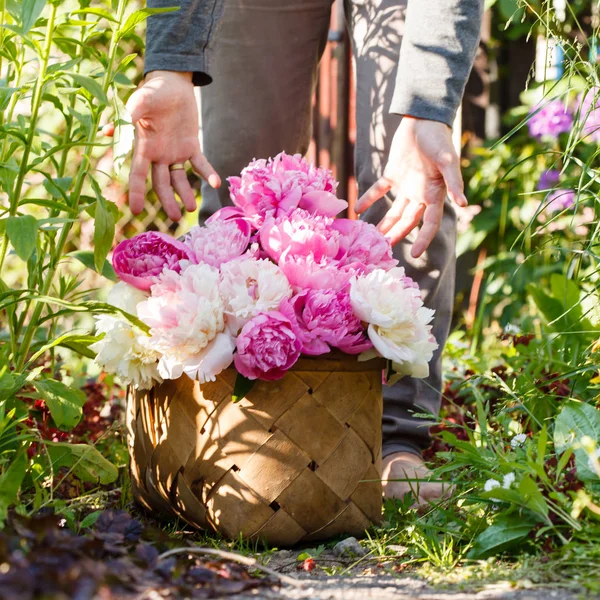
point(125, 350)
point(518, 440)
point(508, 480)
point(206, 365)
point(491, 484)
point(184, 312)
point(250, 286)
point(399, 324)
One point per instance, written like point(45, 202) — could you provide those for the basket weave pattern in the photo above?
point(298, 459)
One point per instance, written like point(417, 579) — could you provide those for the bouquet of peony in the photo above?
point(272, 277)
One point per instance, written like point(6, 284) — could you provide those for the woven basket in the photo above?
point(297, 459)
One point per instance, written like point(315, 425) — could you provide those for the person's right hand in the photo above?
point(165, 115)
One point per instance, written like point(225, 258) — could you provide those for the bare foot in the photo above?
point(405, 473)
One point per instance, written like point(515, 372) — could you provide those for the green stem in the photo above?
point(76, 195)
point(35, 109)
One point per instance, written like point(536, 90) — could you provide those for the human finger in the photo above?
point(410, 219)
point(161, 182)
point(183, 188)
point(205, 169)
point(393, 215)
point(449, 166)
point(108, 130)
point(137, 181)
point(378, 190)
point(432, 219)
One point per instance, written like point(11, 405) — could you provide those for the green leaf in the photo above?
point(242, 387)
point(104, 233)
point(10, 483)
point(575, 421)
point(123, 137)
point(505, 533)
point(22, 233)
point(99, 12)
point(141, 15)
point(65, 404)
point(91, 85)
point(30, 11)
point(87, 463)
point(58, 187)
point(86, 258)
point(532, 497)
point(91, 519)
point(69, 340)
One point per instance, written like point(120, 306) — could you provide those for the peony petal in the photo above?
point(216, 357)
point(322, 203)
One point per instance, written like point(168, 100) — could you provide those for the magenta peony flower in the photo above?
point(267, 347)
point(280, 185)
point(325, 318)
point(552, 120)
point(560, 200)
point(301, 234)
point(139, 260)
point(365, 248)
point(218, 242)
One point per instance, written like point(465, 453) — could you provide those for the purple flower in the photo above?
point(365, 248)
point(548, 179)
point(589, 113)
point(267, 346)
point(325, 318)
point(282, 184)
point(560, 200)
point(139, 260)
point(552, 120)
point(218, 242)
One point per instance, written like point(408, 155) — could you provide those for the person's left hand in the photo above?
point(422, 168)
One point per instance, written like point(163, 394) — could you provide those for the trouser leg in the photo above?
point(265, 62)
point(376, 30)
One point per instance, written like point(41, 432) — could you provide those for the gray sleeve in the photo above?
point(178, 41)
point(436, 57)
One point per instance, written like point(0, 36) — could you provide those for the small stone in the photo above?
point(396, 549)
point(349, 548)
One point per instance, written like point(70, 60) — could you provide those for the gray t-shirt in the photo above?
point(438, 49)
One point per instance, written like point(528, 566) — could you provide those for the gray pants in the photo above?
point(265, 63)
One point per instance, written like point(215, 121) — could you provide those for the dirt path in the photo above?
point(403, 588)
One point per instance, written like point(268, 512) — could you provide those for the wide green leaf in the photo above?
point(91, 85)
point(22, 233)
point(575, 421)
point(65, 403)
point(505, 533)
point(86, 258)
point(104, 233)
point(138, 16)
point(30, 11)
point(242, 387)
point(85, 461)
point(10, 483)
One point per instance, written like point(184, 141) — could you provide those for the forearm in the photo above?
point(436, 57)
point(178, 41)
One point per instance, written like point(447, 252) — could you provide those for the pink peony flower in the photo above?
point(280, 185)
point(250, 286)
point(184, 312)
point(218, 242)
point(310, 272)
point(301, 234)
point(560, 200)
point(325, 318)
point(141, 259)
point(365, 248)
point(267, 347)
